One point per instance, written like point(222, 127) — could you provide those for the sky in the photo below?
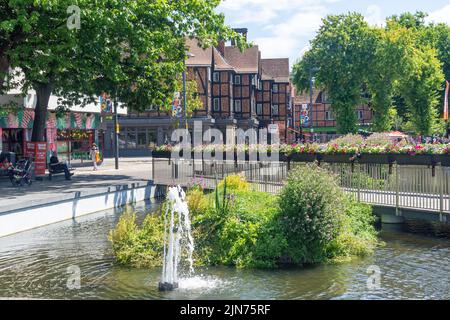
point(284, 28)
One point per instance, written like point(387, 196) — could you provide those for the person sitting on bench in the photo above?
point(57, 166)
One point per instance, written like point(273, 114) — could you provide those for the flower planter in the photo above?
point(418, 159)
point(161, 154)
point(382, 158)
point(303, 157)
point(336, 158)
point(444, 159)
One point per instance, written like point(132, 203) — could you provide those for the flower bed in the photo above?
point(422, 154)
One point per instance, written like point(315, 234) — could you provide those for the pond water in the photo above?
point(41, 263)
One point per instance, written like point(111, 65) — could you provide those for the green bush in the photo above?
point(140, 247)
point(320, 222)
point(312, 221)
point(247, 235)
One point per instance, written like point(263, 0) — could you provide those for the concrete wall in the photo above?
point(38, 215)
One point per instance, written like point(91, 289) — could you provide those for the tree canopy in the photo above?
point(402, 63)
point(130, 49)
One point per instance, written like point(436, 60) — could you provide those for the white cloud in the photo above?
point(282, 26)
point(374, 16)
point(441, 15)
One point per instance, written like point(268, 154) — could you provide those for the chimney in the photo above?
point(242, 31)
point(221, 47)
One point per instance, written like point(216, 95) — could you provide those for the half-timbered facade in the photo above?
point(237, 89)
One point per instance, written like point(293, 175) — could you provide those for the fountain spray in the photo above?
point(177, 236)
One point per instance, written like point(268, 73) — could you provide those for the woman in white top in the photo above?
point(94, 152)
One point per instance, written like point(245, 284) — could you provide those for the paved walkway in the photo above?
point(85, 181)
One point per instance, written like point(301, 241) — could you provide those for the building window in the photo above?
point(142, 139)
point(275, 110)
point(216, 104)
point(260, 86)
point(216, 77)
point(237, 80)
point(275, 88)
point(259, 109)
point(328, 116)
point(360, 114)
point(238, 106)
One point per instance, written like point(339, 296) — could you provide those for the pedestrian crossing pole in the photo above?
point(116, 133)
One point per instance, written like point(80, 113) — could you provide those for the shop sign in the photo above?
point(273, 128)
point(38, 152)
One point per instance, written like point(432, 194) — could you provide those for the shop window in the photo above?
point(122, 139)
point(131, 138)
point(142, 139)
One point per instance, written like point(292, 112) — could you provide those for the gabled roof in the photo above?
point(305, 96)
point(275, 69)
point(220, 63)
point(243, 62)
point(201, 57)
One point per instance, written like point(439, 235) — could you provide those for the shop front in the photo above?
point(68, 135)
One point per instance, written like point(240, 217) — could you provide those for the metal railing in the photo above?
point(398, 186)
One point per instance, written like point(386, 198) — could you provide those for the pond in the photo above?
point(43, 264)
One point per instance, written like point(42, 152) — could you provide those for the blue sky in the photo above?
point(283, 28)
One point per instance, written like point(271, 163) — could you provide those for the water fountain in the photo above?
point(177, 237)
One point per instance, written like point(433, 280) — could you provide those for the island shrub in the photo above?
point(311, 221)
point(320, 221)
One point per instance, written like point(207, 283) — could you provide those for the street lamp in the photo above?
point(311, 71)
point(190, 55)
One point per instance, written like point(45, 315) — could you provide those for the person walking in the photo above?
point(94, 156)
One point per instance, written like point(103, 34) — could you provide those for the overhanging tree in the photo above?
point(131, 49)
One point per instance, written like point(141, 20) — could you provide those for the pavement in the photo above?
point(84, 182)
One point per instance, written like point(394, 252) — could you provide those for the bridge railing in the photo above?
point(398, 186)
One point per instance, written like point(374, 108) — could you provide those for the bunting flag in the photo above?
point(446, 101)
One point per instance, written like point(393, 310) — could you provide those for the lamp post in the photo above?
point(190, 55)
point(311, 71)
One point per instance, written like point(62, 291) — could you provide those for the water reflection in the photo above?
point(35, 264)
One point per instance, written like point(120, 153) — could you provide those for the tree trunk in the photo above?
point(4, 68)
point(43, 92)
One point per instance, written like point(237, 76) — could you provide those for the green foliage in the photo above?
point(400, 68)
point(234, 183)
point(340, 53)
point(249, 236)
point(133, 50)
point(312, 221)
point(320, 221)
point(310, 213)
point(140, 247)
